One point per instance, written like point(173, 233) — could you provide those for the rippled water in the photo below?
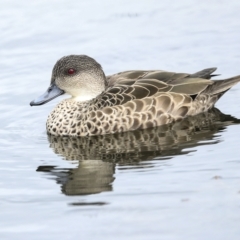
point(179, 182)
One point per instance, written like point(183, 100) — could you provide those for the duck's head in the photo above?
point(78, 75)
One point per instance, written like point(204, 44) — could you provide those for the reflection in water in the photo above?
point(97, 155)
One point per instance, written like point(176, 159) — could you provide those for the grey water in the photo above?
point(175, 182)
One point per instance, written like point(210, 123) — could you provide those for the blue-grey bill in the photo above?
point(52, 92)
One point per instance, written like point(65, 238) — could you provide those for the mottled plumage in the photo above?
point(125, 101)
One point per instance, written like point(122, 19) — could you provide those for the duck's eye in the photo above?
point(71, 71)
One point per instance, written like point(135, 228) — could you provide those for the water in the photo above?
point(179, 183)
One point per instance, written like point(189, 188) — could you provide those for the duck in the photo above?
point(125, 101)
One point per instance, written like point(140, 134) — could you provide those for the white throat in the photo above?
point(82, 95)
point(83, 98)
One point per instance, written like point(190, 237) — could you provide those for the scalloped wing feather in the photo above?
point(126, 90)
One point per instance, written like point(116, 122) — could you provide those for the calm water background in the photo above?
point(193, 194)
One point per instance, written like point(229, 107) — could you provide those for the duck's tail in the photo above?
point(205, 73)
point(218, 88)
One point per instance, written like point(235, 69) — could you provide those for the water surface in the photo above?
point(178, 182)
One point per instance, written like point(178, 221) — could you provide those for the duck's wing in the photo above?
point(126, 90)
point(164, 76)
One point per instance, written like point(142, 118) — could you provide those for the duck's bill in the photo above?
point(52, 92)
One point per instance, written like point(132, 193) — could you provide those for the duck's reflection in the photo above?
point(98, 155)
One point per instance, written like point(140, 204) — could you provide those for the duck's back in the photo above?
point(165, 76)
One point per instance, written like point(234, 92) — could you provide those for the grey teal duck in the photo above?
point(125, 101)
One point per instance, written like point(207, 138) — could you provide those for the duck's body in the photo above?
point(125, 101)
